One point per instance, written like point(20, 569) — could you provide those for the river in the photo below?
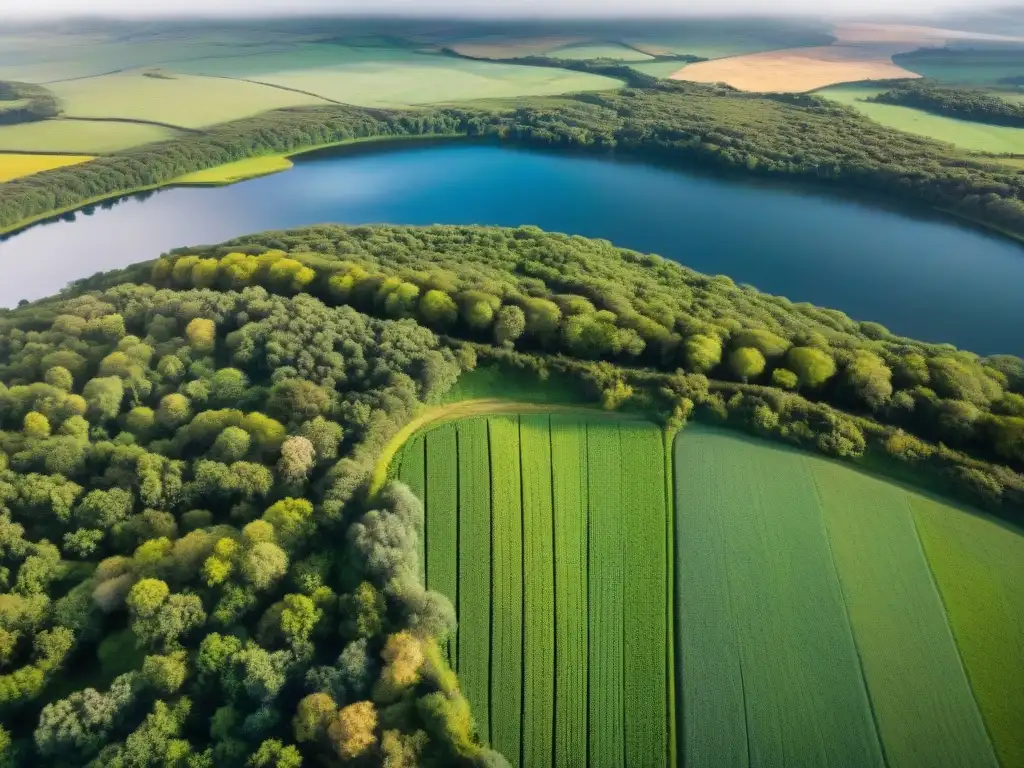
point(922, 276)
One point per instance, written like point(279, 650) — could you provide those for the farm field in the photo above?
point(796, 69)
point(545, 563)
point(965, 64)
point(837, 556)
point(237, 171)
point(424, 79)
point(979, 568)
point(600, 51)
point(85, 137)
point(962, 133)
point(186, 101)
point(14, 166)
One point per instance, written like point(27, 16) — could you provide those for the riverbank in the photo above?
point(223, 175)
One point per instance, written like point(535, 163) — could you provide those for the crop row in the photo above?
point(562, 566)
point(474, 605)
point(442, 524)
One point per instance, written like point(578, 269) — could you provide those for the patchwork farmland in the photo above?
point(801, 612)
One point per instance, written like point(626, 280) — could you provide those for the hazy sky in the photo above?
point(480, 7)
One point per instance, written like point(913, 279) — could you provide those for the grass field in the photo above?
point(180, 100)
point(230, 173)
point(83, 137)
point(829, 604)
point(567, 512)
point(13, 166)
point(962, 133)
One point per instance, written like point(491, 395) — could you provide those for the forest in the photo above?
point(799, 137)
point(963, 103)
point(179, 439)
point(25, 103)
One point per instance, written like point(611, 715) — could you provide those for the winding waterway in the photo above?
point(921, 276)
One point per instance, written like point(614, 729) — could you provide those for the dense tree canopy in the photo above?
point(963, 103)
point(193, 571)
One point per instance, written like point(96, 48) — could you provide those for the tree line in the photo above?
point(962, 103)
point(802, 137)
point(535, 292)
point(26, 103)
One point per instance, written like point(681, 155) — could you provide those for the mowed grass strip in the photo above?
point(538, 592)
point(805, 697)
point(412, 472)
point(979, 567)
point(713, 728)
point(569, 488)
point(474, 607)
point(442, 470)
point(507, 588)
point(605, 595)
point(922, 701)
point(15, 166)
point(645, 676)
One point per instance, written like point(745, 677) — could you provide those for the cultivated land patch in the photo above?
point(963, 133)
point(179, 100)
point(962, 65)
point(539, 516)
point(14, 166)
point(600, 51)
point(428, 79)
point(835, 646)
point(979, 567)
point(503, 47)
point(238, 171)
point(86, 137)
point(797, 69)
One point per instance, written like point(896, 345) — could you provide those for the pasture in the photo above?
point(14, 166)
point(963, 133)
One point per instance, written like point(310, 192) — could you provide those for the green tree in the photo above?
point(510, 325)
point(747, 363)
point(813, 367)
point(438, 309)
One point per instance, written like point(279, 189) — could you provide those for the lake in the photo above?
point(921, 276)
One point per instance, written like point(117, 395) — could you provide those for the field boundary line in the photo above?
point(846, 610)
point(949, 627)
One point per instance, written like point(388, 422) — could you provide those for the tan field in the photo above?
point(861, 52)
point(797, 69)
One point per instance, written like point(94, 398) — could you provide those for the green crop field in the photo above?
point(962, 133)
point(572, 501)
point(424, 79)
point(83, 137)
point(979, 568)
point(810, 628)
point(186, 101)
point(801, 611)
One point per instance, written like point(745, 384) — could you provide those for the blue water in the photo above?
point(922, 277)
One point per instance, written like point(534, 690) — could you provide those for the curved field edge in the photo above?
point(436, 415)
